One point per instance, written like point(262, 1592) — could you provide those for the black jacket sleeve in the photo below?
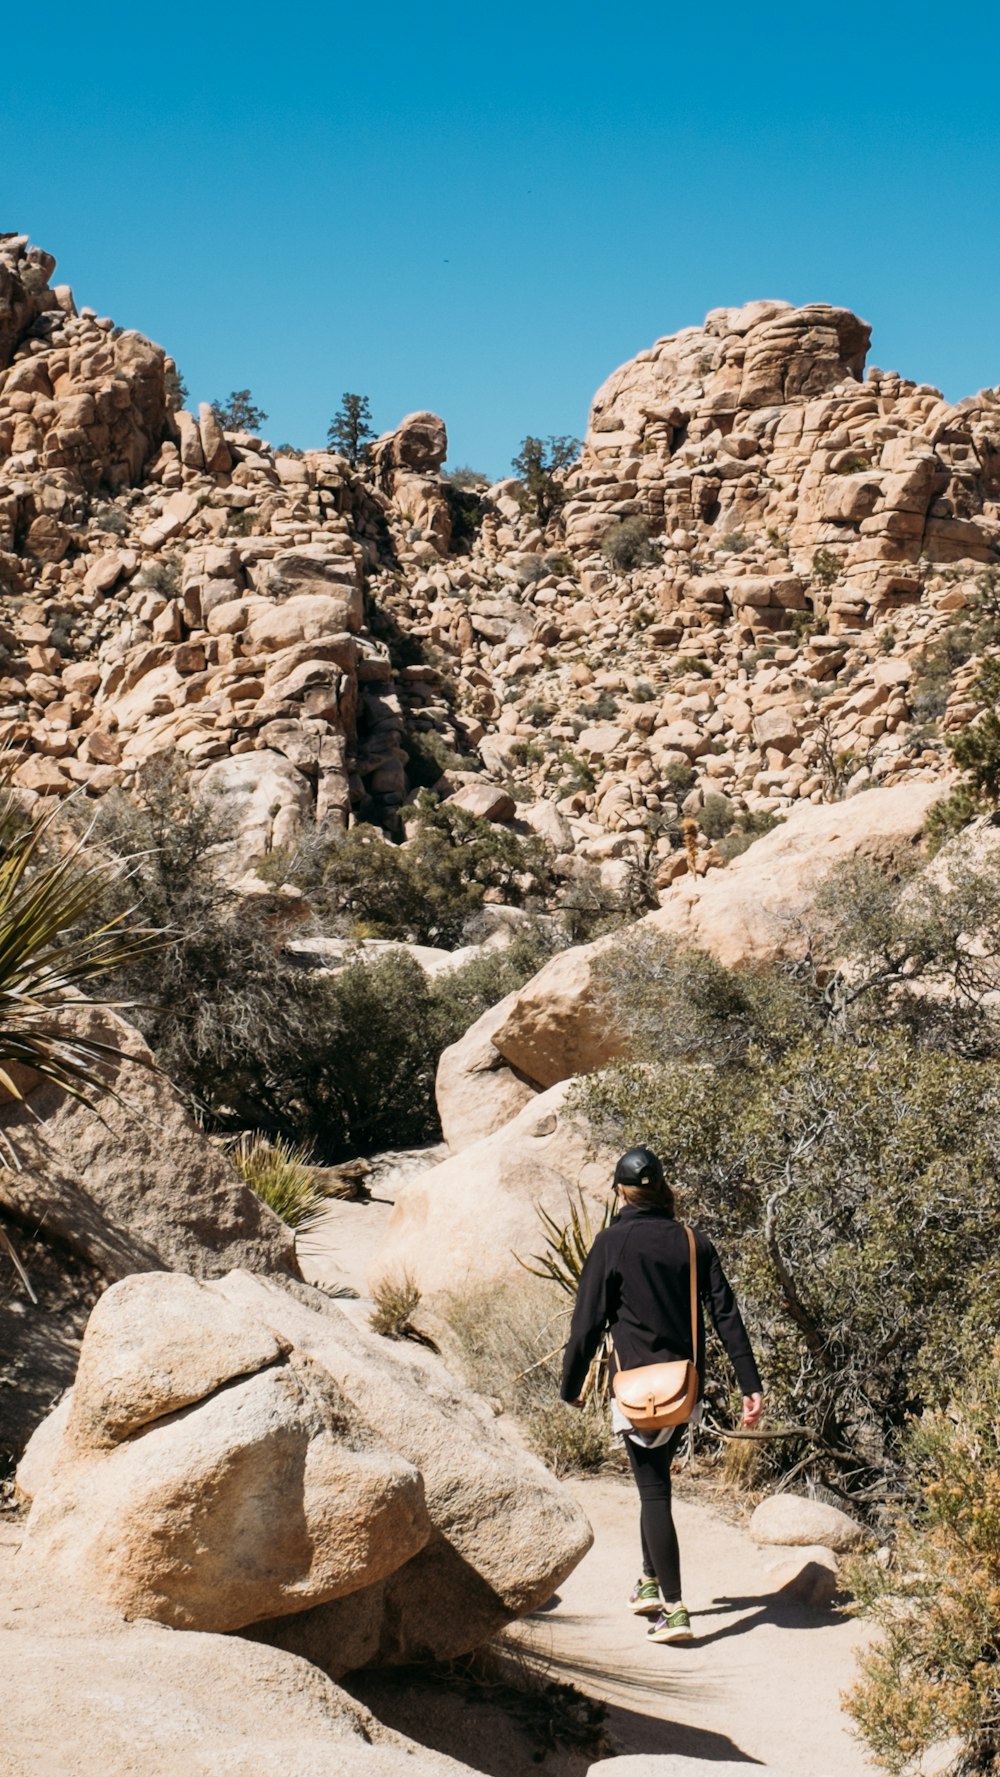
point(593, 1309)
point(729, 1325)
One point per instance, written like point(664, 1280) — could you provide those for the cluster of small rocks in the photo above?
point(308, 639)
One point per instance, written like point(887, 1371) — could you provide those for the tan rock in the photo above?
point(558, 1024)
point(457, 1225)
point(144, 1699)
point(476, 1091)
point(488, 802)
point(154, 1344)
point(255, 1502)
point(788, 1518)
point(306, 617)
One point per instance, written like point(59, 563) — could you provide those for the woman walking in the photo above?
point(636, 1282)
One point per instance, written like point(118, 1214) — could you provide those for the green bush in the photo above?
point(838, 1132)
point(717, 817)
point(933, 1676)
point(626, 545)
point(750, 825)
point(539, 464)
point(424, 891)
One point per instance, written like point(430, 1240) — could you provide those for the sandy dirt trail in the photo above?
point(762, 1680)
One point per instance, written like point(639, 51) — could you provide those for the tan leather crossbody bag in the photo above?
point(657, 1395)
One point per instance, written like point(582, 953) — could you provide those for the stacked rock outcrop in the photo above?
point(314, 642)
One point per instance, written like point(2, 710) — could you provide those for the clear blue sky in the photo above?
point(484, 209)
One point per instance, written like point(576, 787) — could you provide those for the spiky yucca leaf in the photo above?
point(568, 1243)
point(281, 1175)
point(50, 957)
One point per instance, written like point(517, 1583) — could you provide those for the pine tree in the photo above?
point(239, 412)
point(351, 428)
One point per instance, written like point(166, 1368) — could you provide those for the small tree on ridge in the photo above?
point(239, 412)
point(351, 428)
point(537, 463)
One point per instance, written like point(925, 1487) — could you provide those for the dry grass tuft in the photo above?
point(396, 1301)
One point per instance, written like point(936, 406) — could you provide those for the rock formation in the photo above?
point(230, 1456)
point(292, 630)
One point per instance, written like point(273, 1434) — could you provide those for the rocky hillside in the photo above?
point(741, 594)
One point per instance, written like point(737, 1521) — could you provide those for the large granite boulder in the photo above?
point(231, 1456)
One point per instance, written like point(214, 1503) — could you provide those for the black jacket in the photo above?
point(637, 1281)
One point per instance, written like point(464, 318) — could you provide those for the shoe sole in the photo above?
point(645, 1610)
point(672, 1635)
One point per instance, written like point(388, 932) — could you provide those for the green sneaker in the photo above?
point(674, 1625)
point(644, 1599)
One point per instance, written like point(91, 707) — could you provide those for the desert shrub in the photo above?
point(424, 891)
point(717, 817)
point(396, 1300)
point(626, 545)
point(430, 757)
point(512, 1343)
point(539, 464)
point(107, 517)
point(749, 825)
point(467, 512)
point(826, 567)
point(465, 477)
point(281, 1175)
point(935, 668)
point(933, 1676)
point(162, 575)
point(845, 1161)
point(679, 778)
point(734, 542)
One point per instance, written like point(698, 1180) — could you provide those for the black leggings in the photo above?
point(661, 1558)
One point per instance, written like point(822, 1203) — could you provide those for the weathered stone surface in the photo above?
point(505, 1533)
point(142, 1699)
point(171, 1490)
point(788, 1518)
point(256, 1501)
point(153, 1345)
point(160, 1188)
point(558, 1025)
point(265, 798)
point(458, 1224)
point(477, 1092)
point(488, 802)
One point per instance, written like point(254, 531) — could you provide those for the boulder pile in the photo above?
point(313, 641)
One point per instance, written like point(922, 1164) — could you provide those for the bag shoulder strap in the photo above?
point(694, 1291)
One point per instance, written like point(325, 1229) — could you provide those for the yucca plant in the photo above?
point(51, 957)
point(567, 1245)
point(281, 1175)
point(51, 954)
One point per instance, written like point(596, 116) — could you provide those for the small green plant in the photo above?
point(748, 826)
point(734, 542)
point(162, 576)
point(567, 1244)
point(679, 778)
point(396, 1301)
point(626, 546)
point(806, 624)
point(852, 464)
point(825, 567)
point(717, 816)
point(281, 1174)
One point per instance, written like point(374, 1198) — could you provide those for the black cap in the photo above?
point(640, 1167)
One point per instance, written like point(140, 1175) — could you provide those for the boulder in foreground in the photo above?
point(233, 1456)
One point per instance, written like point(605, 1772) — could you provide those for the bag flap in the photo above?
point(659, 1384)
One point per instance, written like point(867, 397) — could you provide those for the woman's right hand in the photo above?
point(753, 1406)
